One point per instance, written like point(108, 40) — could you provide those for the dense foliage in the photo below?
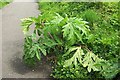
point(83, 36)
point(4, 3)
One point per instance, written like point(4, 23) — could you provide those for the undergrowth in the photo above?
point(83, 37)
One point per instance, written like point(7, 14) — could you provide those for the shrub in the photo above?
point(81, 51)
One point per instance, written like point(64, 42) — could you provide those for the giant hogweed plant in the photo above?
point(66, 36)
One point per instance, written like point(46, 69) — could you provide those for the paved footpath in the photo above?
point(12, 42)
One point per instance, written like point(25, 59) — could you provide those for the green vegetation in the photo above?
point(83, 37)
point(4, 3)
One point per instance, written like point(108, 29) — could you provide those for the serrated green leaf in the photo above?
point(74, 30)
point(89, 69)
point(70, 50)
point(49, 42)
point(38, 55)
point(66, 29)
point(26, 22)
point(77, 56)
point(43, 51)
point(57, 19)
point(68, 62)
point(32, 55)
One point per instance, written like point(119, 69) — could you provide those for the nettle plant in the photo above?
point(66, 36)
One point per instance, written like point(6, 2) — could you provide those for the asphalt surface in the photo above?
point(12, 42)
point(0, 43)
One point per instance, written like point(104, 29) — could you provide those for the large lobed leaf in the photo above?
point(74, 30)
point(76, 57)
point(91, 61)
